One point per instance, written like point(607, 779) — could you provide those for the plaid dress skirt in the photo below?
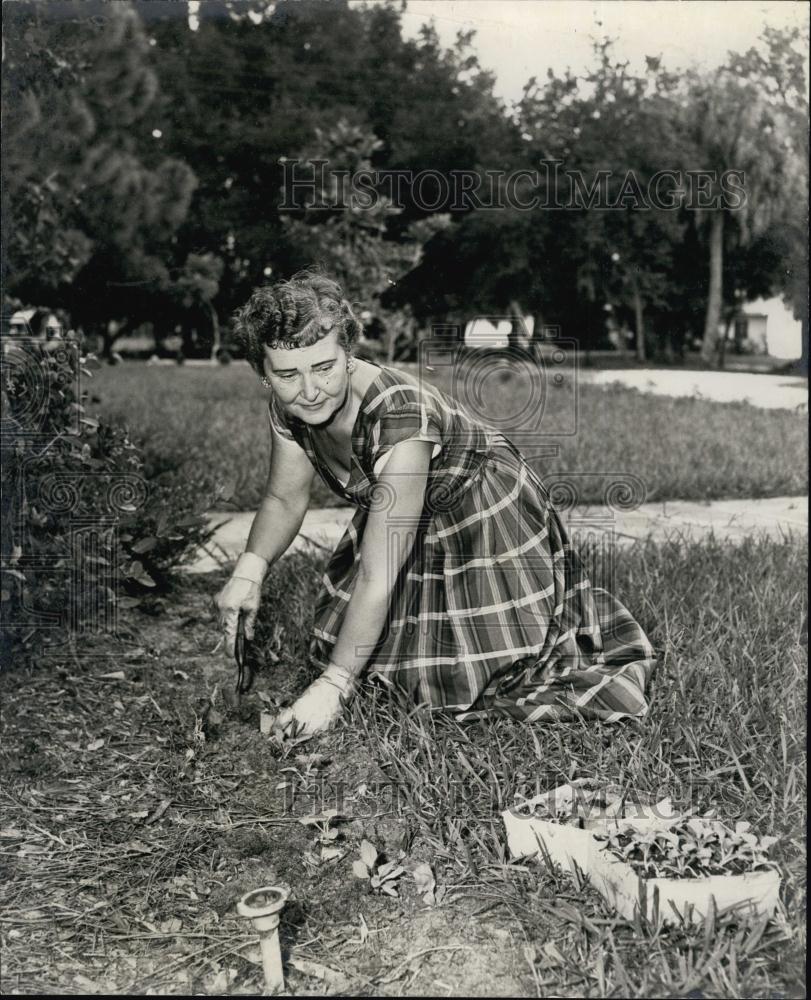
point(492, 611)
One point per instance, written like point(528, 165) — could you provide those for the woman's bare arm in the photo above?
point(286, 499)
point(274, 527)
point(387, 539)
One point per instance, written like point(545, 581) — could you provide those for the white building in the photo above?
point(483, 332)
point(769, 325)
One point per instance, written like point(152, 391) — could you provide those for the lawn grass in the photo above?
point(122, 861)
point(209, 424)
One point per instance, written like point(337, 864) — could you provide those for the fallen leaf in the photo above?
point(161, 809)
point(425, 882)
point(368, 854)
point(139, 846)
point(336, 981)
point(114, 675)
point(391, 870)
point(220, 983)
point(27, 849)
point(251, 953)
point(311, 759)
point(320, 819)
point(359, 869)
point(96, 744)
point(128, 602)
point(553, 955)
point(87, 984)
point(332, 853)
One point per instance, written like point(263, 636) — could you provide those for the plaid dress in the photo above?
point(492, 611)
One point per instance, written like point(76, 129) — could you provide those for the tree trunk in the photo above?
point(110, 332)
point(639, 320)
point(803, 362)
point(391, 341)
point(712, 318)
point(518, 331)
point(667, 346)
point(215, 332)
point(189, 341)
point(158, 337)
point(537, 338)
point(107, 339)
point(723, 346)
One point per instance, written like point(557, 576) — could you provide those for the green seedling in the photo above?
point(691, 848)
point(383, 878)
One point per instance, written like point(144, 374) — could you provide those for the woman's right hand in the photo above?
point(237, 595)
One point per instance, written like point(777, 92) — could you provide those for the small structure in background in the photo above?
point(482, 332)
point(767, 326)
point(40, 326)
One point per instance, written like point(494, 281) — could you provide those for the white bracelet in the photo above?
point(341, 676)
point(251, 567)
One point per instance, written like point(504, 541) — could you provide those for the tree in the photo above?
point(623, 128)
point(196, 288)
point(352, 240)
point(90, 210)
point(737, 121)
point(564, 263)
point(245, 95)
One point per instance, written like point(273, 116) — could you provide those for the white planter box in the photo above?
point(564, 843)
point(756, 893)
point(665, 899)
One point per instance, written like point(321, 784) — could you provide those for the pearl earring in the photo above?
point(350, 365)
point(265, 382)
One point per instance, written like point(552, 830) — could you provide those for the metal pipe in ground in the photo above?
point(263, 908)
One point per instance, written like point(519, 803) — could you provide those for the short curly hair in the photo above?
point(294, 313)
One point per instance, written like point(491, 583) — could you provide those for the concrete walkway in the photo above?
point(731, 520)
point(770, 392)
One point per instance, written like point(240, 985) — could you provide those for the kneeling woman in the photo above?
point(455, 580)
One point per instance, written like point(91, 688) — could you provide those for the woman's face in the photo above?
point(311, 381)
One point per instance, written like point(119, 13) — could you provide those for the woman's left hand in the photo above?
point(316, 710)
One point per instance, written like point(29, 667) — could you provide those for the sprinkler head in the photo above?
point(263, 906)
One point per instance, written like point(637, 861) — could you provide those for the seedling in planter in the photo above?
point(691, 848)
point(559, 823)
point(383, 878)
